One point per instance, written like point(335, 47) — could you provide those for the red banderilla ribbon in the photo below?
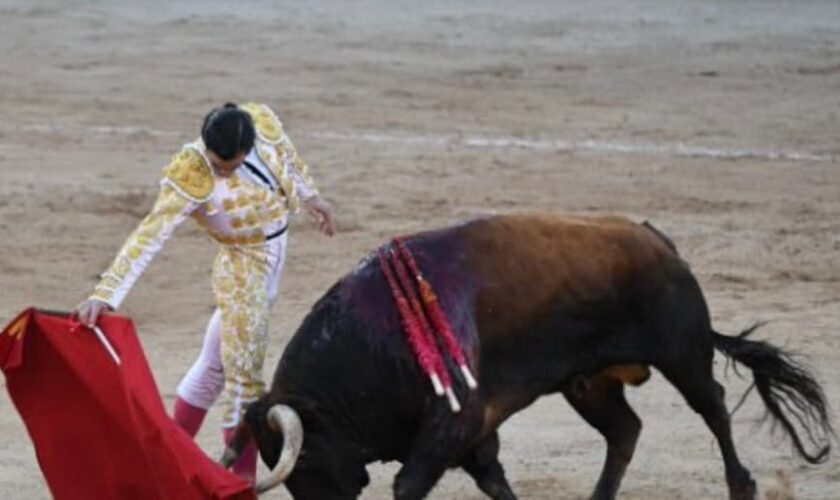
point(426, 357)
point(436, 315)
point(428, 333)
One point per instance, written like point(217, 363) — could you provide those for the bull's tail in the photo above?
point(788, 390)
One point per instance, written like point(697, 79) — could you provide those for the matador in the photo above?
point(240, 181)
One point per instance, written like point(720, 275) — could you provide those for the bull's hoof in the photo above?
point(746, 491)
point(497, 491)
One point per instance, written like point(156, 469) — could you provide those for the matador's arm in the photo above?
point(186, 184)
point(142, 245)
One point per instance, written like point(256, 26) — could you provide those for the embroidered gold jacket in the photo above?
point(233, 210)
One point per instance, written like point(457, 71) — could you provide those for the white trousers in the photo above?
point(205, 380)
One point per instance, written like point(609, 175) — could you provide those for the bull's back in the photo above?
point(501, 273)
point(527, 264)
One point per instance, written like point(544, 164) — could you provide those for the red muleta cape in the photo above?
point(100, 429)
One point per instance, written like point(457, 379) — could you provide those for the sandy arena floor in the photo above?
point(716, 120)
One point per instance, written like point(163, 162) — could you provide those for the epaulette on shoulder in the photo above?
point(190, 174)
point(269, 127)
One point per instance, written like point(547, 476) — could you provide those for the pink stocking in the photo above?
point(246, 465)
point(188, 417)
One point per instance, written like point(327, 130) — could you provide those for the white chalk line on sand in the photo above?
point(678, 149)
point(588, 145)
point(97, 130)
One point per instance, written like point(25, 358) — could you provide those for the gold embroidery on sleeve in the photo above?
point(169, 205)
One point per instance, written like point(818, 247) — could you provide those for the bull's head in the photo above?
point(278, 432)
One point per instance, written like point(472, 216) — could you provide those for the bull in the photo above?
point(541, 304)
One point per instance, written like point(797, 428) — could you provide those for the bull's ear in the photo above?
point(268, 441)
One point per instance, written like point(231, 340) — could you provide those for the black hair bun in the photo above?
point(228, 131)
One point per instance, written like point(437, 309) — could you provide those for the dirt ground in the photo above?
point(716, 120)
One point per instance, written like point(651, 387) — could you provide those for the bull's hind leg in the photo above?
point(603, 406)
point(705, 396)
point(483, 465)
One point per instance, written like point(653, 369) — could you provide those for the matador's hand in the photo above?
point(321, 210)
point(89, 311)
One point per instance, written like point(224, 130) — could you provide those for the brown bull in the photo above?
point(541, 304)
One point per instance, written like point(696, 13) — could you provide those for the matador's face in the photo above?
point(224, 168)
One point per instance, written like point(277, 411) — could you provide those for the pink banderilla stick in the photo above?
point(436, 315)
point(428, 335)
point(411, 327)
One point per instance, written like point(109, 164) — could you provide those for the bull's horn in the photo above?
point(284, 420)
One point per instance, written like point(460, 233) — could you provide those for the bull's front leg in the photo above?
point(439, 444)
point(418, 476)
point(482, 463)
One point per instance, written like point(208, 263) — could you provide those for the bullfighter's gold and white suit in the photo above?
point(247, 213)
